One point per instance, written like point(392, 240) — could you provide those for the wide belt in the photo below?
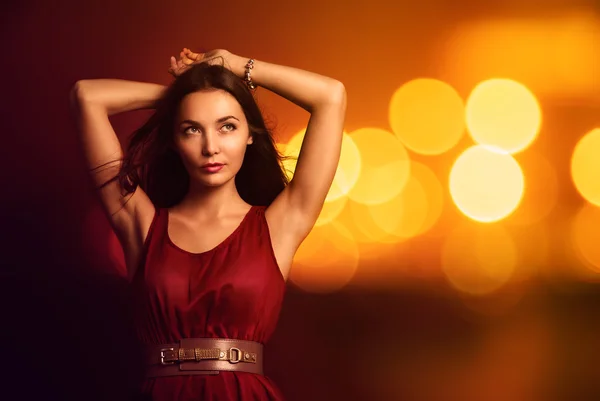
point(197, 356)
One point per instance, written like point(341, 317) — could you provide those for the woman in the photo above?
point(206, 218)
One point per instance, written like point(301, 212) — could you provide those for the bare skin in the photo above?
point(213, 209)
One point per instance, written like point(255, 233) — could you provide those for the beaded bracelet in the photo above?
point(247, 79)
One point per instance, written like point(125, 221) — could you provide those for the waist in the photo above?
point(202, 356)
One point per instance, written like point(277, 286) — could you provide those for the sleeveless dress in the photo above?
point(234, 290)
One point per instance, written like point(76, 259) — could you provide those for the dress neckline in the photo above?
point(219, 245)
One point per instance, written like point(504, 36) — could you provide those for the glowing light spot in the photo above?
point(404, 215)
point(541, 191)
point(346, 174)
point(504, 114)
point(385, 166)
point(585, 167)
point(479, 261)
point(486, 186)
point(414, 210)
point(331, 210)
point(585, 232)
point(326, 261)
point(427, 115)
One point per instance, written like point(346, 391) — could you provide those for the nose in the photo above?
point(210, 145)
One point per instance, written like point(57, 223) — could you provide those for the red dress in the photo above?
point(234, 290)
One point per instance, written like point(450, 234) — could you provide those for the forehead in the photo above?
point(209, 105)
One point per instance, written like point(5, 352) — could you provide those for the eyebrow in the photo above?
point(220, 120)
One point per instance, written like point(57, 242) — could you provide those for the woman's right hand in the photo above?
point(187, 58)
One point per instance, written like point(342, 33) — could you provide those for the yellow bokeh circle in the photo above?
point(585, 231)
point(346, 174)
point(504, 114)
point(427, 115)
point(385, 166)
point(486, 185)
point(479, 260)
point(326, 260)
point(585, 166)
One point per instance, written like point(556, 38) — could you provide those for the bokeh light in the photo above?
point(404, 215)
point(541, 191)
point(479, 260)
point(327, 259)
point(486, 185)
point(504, 114)
point(331, 210)
point(289, 160)
point(414, 210)
point(427, 115)
point(385, 166)
point(585, 166)
point(369, 237)
point(534, 248)
point(364, 226)
point(434, 192)
point(585, 231)
point(348, 169)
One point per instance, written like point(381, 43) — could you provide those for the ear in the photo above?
point(250, 140)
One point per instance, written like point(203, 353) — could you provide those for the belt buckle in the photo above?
point(162, 356)
point(239, 355)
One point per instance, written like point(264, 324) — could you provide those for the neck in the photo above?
point(203, 200)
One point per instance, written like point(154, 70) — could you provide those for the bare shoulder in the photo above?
point(288, 227)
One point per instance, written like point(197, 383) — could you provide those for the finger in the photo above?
point(173, 63)
point(195, 56)
point(186, 60)
point(186, 56)
point(190, 54)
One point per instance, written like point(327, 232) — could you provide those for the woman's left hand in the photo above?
point(187, 58)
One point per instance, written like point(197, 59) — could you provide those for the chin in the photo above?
point(213, 181)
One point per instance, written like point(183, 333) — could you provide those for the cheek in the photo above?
point(237, 149)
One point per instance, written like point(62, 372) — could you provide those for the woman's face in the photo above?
point(211, 135)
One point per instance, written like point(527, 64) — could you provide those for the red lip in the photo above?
point(212, 165)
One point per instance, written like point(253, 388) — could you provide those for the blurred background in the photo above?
point(457, 256)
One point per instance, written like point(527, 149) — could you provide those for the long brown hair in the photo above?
point(151, 162)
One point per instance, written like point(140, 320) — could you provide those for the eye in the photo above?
point(229, 127)
point(188, 130)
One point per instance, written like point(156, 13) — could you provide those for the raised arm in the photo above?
point(294, 212)
point(325, 99)
point(93, 101)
